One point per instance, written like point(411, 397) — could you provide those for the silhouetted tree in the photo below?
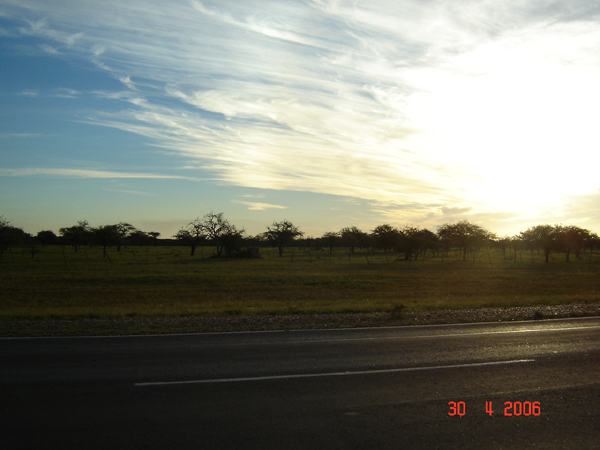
point(233, 243)
point(571, 239)
point(353, 237)
point(464, 236)
point(77, 234)
point(154, 236)
point(125, 230)
point(386, 237)
point(540, 237)
point(192, 234)
point(414, 240)
point(138, 237)
point(213, 228)
point(330, 240)
point(219, 231)
point(10, 236)
point(282, 234)
point(46, 237)
point(106, 236)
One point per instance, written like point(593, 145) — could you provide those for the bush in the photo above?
point(397, 312)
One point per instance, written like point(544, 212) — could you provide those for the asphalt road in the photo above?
point(347, 389)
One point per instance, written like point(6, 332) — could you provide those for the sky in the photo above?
point(326, 113)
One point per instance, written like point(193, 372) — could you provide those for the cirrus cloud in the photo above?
point(438, 105)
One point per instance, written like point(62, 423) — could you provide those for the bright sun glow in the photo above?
point(517, 117)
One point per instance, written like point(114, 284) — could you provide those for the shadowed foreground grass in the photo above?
point(165, 281)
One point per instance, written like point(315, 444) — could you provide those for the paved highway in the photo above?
point(422, 387)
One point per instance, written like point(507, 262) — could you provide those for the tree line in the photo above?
point(77, 235)
point(215, 231)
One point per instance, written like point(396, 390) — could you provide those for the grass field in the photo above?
point(165, 281)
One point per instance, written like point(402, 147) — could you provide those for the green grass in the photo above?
point(166, 281)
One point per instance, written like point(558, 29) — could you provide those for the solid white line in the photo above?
point(430, 336)
point(331, 374)
point(333, 330)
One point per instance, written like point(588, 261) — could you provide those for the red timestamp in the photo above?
point(510, 408)
point(521, 408)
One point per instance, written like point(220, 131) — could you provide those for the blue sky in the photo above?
point(325, 113)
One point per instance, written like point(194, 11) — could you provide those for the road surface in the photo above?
point(425, 387)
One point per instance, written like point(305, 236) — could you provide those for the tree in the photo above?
point(46, 237)
point(192, 234)
point(464, 236)
point(570, 239)
point(281, 234)
point(540, 236)
point(125, 230)
point(428, 240)
point(353, 237)
point(213, 228)
point(138, 237)
point(107, 235)
point(77, 234)
point(10, 236)
point(154, 236)
point(386, 237)
point(414, 239)
point(330, 239)
point(219, 231)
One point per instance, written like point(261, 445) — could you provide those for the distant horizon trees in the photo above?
point(558, 238)
point(216, 231)
point(106, 235)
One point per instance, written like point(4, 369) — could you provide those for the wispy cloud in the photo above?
point(49, 49)
point(84, 173)
point(20, 135)
point(446, 106)
point(128, 191)
point(29, 93)
point(258, 206)
point(66, 93)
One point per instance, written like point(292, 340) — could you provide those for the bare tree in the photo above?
point(192, 234)
point(220, 232)
point(213, 228)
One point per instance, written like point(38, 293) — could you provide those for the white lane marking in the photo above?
point(430, 336)
point(330, 374)
point(333, 330)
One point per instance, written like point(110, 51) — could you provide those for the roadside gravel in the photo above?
point(177, 325)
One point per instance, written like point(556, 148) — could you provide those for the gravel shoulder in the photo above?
point(180, 325)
